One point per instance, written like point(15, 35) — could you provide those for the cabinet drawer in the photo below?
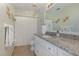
point(48, 46)
point(52, 49)
point(63, 53)
point(41, 51)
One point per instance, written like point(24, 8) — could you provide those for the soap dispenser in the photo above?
point(58, 33)
point(44, 29)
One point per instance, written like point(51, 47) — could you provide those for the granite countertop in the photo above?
point(68, 44)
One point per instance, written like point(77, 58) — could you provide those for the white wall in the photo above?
point(25, 13)
point(4, 20)
point(25, 27)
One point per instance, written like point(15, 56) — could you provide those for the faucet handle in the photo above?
point(57, 31)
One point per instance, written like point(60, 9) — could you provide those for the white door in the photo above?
point(25, 27)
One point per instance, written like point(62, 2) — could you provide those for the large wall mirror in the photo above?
point(63, 17)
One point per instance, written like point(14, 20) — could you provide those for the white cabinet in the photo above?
point(40, 50)
point(52, 49)
point(63, 53)
point(45, 48)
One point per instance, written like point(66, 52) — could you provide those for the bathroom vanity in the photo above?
point(64, 21)
point(55, 46)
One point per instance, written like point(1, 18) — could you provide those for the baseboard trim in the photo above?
point(21, 44)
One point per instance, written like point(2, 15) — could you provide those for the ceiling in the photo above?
point(37, 7)
point(58, 8)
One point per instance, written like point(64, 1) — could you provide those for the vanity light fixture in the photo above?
point(34, 8)
point(34, 5)
point(8, 12)
point(50, 5)
point(58, 9)
point(57, 20)
point(66, 18)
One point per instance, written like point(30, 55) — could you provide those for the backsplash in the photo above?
point(71, 36)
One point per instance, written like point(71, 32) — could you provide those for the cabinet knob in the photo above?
point(49, 48)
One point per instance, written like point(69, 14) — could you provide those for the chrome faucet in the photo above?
point(57, 34)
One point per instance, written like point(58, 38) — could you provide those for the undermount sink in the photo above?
point(47, 36)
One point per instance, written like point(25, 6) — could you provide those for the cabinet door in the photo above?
point(40, 50)
point(36, 49)
point(48, 46)
point(63, 53)
point(52, 49)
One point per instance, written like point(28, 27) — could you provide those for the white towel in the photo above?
point(9, 36)
point(44, 29)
